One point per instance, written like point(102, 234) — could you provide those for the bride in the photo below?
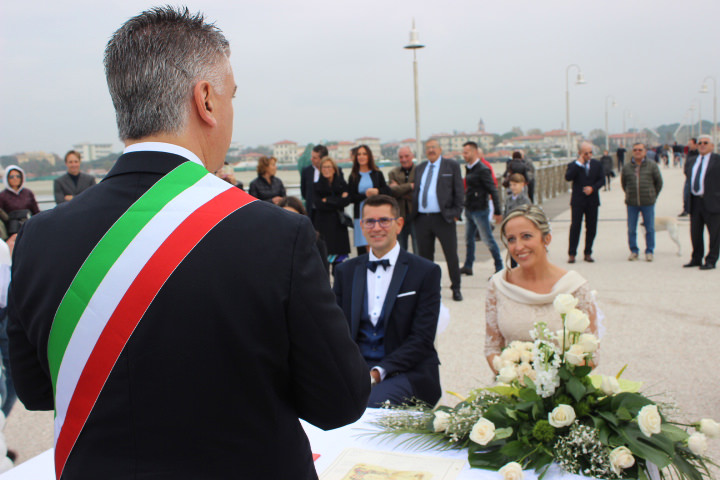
point(519, 297)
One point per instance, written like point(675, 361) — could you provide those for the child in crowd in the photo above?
point(517, 195)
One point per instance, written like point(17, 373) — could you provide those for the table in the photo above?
point(329, 444)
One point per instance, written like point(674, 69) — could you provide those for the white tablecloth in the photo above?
point(328, 444)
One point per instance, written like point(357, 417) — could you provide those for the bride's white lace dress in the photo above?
point(511, 311)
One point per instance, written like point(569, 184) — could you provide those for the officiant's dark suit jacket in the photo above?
point(64, 185)
point(244, 337)
point(595, 178)
point(411, 309)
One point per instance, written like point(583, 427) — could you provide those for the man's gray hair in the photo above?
point(152, 64)
point(705, 137)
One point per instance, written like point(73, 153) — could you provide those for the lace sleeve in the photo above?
point(586, 303)
point(494, 341)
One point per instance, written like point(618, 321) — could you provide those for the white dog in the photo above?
point(671, 225)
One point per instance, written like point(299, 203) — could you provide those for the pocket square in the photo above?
point(446, 175)
point(406, 294)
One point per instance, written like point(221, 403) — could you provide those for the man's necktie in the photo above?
point(696, 180)
point(428, 181)
point(372, 265)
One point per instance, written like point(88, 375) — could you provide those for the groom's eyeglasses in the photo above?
point(384, 222)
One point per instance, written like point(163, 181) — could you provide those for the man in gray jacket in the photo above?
point(73, 182)
point(641, 181)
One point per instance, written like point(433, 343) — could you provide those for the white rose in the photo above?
point(561, 416)
point(526, 370)
point(510, 354)
point(440, 422)
point(710, 427)
point(497, 363)
point(649, 420)
point(609, 385)
point(697, 443)
point(483, 432)
point(564, 302)
point(507, 374)
point(511, 471)
point(526, 356)
point(559, 335)
point(576, 355)
point(588, 342)
point(620, 459)
point(576, 321)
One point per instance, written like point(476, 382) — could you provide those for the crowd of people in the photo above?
point(142, 320)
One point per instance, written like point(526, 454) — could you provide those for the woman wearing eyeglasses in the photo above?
point(330, 197)
point(16, 201)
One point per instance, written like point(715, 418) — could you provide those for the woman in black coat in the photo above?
point(330, 197)
point(267, 186)
point(366, 180)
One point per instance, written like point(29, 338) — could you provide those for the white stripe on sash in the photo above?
point(117, 281)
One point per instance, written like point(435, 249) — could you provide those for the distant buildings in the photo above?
point(93, 151)
point(26, 157)
point(286, 151)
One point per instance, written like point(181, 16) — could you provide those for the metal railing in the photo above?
point(550, 181)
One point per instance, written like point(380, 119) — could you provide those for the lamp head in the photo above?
point(414, 39)
point(580, 79)
point(704, 88)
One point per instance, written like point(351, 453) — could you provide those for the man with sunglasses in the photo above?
point(391, 300)
point(704, 176)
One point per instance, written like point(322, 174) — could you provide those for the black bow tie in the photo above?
point(374, 264)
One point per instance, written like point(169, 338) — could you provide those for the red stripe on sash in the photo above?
point(132, 307)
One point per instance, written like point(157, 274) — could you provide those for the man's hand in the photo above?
point(68, 198)
point(277, 200)
point(371, 192)
point(375, 376)
point(498, 219)
point(588, 190)
point(393, 183)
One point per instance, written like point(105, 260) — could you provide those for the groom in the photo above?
point(391, 299)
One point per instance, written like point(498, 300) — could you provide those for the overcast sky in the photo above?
point(336, 70)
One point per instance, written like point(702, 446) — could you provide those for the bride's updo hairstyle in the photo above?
point(533, 213)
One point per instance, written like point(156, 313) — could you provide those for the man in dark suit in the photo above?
point(692, 152)
point(162, 357)
point(704, 177)
point(437, 205)
point(391, 299)
point(587, 177)
point(74, 182)
point(310, 175)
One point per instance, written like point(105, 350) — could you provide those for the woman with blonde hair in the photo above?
point(267, 186)
point(521, 296)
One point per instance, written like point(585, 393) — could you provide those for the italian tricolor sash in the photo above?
point(117, 283)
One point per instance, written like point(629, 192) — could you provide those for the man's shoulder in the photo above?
point(417, 262)
point(350, 264)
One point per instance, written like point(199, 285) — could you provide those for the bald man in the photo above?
point(587, 177)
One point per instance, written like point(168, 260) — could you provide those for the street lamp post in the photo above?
point(704, 89)
point(699, 107)
point(414, 45)
point(579, 81)
point(692, 120)
point(607, 132)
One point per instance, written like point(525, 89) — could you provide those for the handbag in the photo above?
point(15, 220)
point(345, 219)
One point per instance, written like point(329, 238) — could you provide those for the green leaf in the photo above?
point(501, 433)
point(564, 373)
point(503, 390)
point(673, 433)
point(582, 371)
point(529, 383)
point(528, 394)
point(609, 417)
point(516, 449)
point(538, 412)
point(623, 414)
point(643, 449)
point(491, 459)
point(575, 388)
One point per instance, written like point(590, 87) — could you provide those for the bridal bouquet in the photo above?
point(547, 408)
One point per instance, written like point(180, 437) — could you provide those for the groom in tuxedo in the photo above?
point(391, 300)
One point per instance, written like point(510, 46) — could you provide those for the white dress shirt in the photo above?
point(701, 163)
point(163, 147)
point(378, 283)
point(316, 174)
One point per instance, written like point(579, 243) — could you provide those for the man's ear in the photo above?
point(203, 100)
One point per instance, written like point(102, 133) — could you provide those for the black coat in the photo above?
point(711, 185)
point(410, 319)
point(232, 350)
point(327, 214)
point(479, 184)
point(580, 178)
point(450, 191)
point(378, 180)
point(262, 190)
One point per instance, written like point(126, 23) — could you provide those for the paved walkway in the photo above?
point(662, 320)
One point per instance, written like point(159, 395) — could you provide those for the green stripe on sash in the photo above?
point(107, 251)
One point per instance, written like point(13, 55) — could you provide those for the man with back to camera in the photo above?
point(704, 177)
point(437, 206)
point(401, 181)
point(162, 357)
point(391, 300)
point(587, 177)
point(74, 182)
